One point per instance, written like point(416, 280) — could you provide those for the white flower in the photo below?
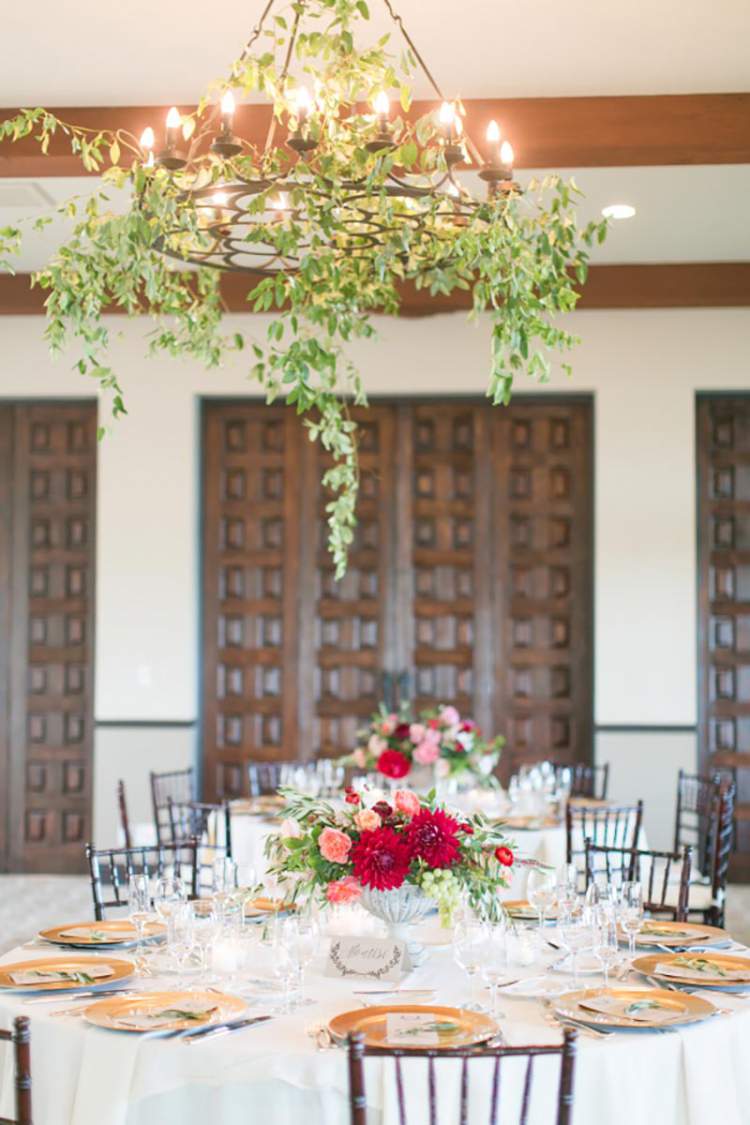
point(291, 828)
point(442, 767)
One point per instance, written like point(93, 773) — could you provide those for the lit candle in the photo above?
point(227, 111)
point(382, 106)
point(506, 157)
point(147, 144)
point(448, 119)
point(173, 127)
point(304, 104)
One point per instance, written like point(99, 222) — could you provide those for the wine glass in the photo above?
point(631, 912)
point(139, 913)
point(574, 935)
point(223, 880)
point(606, 948)
point(468, 937)
point(301, 937)
point(206, 926)
point(494, 961)
point(541, 893)
point(168, 898)
point(182, 942)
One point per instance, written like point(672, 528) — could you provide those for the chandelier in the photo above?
point(349, 178)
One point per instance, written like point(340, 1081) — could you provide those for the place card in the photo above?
point(418, 1029)
point(376, 958)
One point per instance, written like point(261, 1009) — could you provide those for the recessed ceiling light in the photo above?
point(618, 211)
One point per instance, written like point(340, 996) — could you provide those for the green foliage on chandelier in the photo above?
point(520, 256)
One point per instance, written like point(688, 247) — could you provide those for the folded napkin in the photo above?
point(700, 968)
point(642, 1011)
point(89, 975)
point(658, 929)
point(152, 1020)
point(88, 935)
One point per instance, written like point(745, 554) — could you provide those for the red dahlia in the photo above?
point(504, 856)
point(401, 732)
point(393, 763)
point(432, 836)
point(381, 859)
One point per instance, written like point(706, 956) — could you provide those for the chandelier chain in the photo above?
point(255, 34)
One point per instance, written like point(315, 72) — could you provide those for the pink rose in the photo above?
point(376, 745)
point(433, 735)
point(290, 829)
point(367, 820)
point(389, 724)
point(406, 802)
point(334, 845)
point(417, 732)
point(450, 716)
point(343, 891)
point(427, 752)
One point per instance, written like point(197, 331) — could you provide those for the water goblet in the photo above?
point(494, 961)
point(631, 912)
point(140, 912)
point(541, 893)
point(468, 939)
point(606, 948)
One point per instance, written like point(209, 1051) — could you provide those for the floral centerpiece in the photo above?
point(396, 856)
point(393, 744)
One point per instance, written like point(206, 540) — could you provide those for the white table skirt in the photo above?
point(83, 1075)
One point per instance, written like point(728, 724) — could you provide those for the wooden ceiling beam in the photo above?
point(663, 286)
point(595, 132)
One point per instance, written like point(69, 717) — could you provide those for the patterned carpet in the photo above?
point(29, 903)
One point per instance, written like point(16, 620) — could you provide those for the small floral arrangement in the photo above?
point(378, 843)
point(393, 743)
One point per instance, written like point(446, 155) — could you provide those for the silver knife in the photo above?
point(62, 996)
point(220, 1029)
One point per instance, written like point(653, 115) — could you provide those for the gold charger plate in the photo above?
point(120, 971)
point(699, 934)
point(107, 1013)
point(687, 1008)
point(472, 1027)
point(647, 966)
point(87, 932)
point(522, 909)
point(261, 906)
point(589, 802)
point(529, 823)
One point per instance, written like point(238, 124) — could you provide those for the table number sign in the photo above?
point(376, 958)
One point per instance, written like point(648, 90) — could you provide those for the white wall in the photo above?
point(643, 367)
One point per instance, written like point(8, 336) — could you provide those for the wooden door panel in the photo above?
point(543, 580)
point(348, 624)
point(51, 631)
point(723, 482)
point(251, 546)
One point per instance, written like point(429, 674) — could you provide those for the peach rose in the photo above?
point(426, 752)
point(417, 732)
point(367, 820)
point(406, 802)
point(376, 745)
point(334, 845)
point(389, 724)
point(359, 758)
point(343, 891)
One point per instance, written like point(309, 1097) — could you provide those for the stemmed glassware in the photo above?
point(575, 935)
point(223, 881)
point(606, 948)
point(206, 928)
point(182, 940)
point(468, 940)
point(631, 912)
point(541, 893)
point(494, 961)
point(300, 936)
point(140, 913)
point(169, 895)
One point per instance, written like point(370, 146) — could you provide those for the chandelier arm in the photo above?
point(255, 32)
point(284, 71)
point(428, 73)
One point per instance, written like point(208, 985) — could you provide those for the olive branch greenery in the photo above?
point(520, 256)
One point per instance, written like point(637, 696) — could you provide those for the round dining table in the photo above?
point(274, 1072)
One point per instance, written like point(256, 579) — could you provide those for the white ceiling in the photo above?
point(683, 214)
point(124, 52)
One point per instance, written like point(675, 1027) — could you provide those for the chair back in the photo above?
point(562, 1112)
point(614, 826)
point(20, 1037)
point(179, 785)
point(720, 849)
point(122, 809)
point(210, 825)
point(586, 780)
point(264, 778)
point(110, 870)
point(664, 876)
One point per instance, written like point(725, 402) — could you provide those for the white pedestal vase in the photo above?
point(399, 909)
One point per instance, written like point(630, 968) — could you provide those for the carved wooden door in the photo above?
point(723, 445)
point(47, 545)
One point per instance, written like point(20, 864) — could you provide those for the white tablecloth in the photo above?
point(83, 1075)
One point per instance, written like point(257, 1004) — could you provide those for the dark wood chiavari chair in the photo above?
point(20, 1037)
point(179, 785)
point(586, 780)
point(615, 826)
point(210, 825)
point(264, 778)
point(110, 870)
point(122, 809)
point(705, 820)
point(664, 876)
point(565, 1051)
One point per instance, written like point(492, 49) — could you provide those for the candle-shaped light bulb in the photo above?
point(279, 202)
point(382, 106)
point(147, 138)
point(493, 133)
point(447, 117)
point(173, 126)
point(227, 111)
point(220, 198)
point(506, 154)
point(303, 102)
